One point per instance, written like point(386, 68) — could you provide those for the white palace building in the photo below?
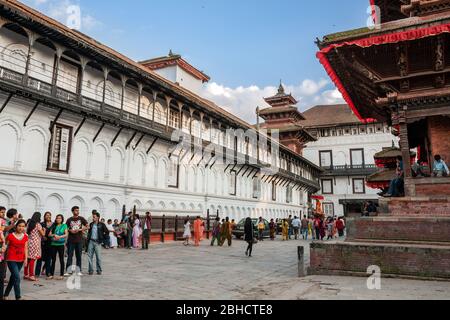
point(81, 124)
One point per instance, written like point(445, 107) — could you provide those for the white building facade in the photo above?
point(345, 149)
point(81, 125)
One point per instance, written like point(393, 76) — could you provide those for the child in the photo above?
point(187, 232)
point(16, 257)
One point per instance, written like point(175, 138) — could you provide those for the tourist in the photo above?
point(233, 225)
point(137, 232)
point(329, 225)
point(124, 228)
point(289, 220)
point(57, 236)
point(197, 231)
point(311, 228)
point(2, 251)
point(107, 240)
point(317, 226)
point(305, 228)
point(35, 234)
point(216, 232)
point(285, 229)
point(77, 225)
point(112, 234)
point(187, 232)
point(296, 223)
point(202, 229)
point(146, 226)
point(340, 226)
point(273, 229)
point(249, 236)
point(396, 186)
point(322, 229)
point(261, 228)
point(120, 230)
point(130, 225)
point(417, 170)
point(440, 168)
point(96, 235)
point(46, 257)
point(16, 257)
point(226, 232)
point(222, 233)
point(12, 216)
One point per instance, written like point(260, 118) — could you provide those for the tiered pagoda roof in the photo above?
point(283, 116)
point(375, 68)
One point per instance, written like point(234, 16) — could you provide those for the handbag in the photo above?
point(255, 241)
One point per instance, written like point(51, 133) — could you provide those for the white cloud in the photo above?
point(242, 101)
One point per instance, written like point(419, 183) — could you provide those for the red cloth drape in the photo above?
point(371, 41)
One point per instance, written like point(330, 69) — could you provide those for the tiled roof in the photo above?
point(329, 115)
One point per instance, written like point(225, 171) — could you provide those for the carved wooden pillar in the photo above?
point(139, 101)
point(210, 130)
point(31, 39)
point(81, 71)
point(155, 96)
point(406, 153)
point(124, 83)
point(202, 115)
point(58, 55)
point(191, 113)
point(168, 100)
point(105, 79)
point(180, 107)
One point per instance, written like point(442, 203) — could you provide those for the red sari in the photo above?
point(197, 231)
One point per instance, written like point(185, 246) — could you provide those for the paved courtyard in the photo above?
point(172, 271)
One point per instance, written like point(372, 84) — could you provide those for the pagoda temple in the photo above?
point(399, 73)
point(283, 115)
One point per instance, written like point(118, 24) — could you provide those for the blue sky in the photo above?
point(245, 46)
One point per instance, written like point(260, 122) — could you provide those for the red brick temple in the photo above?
point(283, 115)
point(399, 73)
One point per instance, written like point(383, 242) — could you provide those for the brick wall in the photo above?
point(419, 207)
point(354, 259)
point(433, 189)
point(438, 133)
point(401, 228)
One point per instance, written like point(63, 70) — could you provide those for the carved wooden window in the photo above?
point(173, 172)
point(232, 183)
point(60, 149)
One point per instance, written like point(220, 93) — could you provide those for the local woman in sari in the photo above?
point(198, 231)
point(285, 229)
point(273, 229)
point(136, 231)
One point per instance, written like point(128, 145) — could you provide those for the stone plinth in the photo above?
point(354, 258)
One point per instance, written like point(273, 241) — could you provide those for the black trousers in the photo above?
point(57, 250)
point(250, 247)
point(78, 249)
point(2, 278)
point(145, 239)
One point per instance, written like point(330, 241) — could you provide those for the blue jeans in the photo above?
point(305, 233)
point(94, 248)
point(14, 280)
point(78, 249)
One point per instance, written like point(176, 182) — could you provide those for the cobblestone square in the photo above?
point(172, 271)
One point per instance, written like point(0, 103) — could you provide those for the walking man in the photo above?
point(146, 231)
point(296, 226)
point(305, 228)
point(77, 225)
point(96, 235)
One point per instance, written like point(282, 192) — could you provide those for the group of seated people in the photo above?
point(397, 185)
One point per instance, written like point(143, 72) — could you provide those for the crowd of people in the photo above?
point(40, 244)
point(315, 228)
